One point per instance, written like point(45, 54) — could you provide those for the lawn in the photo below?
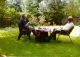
point(11, 47)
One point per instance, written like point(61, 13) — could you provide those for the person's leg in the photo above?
point(19, 36)
point(28, 34)
point(63, 32)
point(53, 34)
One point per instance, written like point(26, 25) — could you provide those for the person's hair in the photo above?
point(23, 16)
point(70, 19)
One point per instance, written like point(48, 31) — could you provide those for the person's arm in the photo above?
point(27, 24)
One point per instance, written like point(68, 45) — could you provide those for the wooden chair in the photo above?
point(23, 31)
point(65, 33)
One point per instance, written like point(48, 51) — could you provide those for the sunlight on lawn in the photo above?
point(2, 32)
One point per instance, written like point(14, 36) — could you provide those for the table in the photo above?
point(42, 35)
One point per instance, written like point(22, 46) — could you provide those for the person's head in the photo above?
point(23, 16)
point(70, 19)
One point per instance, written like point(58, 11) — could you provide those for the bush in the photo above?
point(12, 13)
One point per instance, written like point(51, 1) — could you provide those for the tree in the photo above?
point(55, 11)
point(2, 8)
point(15, 4)
point(72, 8)
point(12, 14)
point(33, 7)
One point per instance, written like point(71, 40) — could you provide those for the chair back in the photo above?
point(70, 30)
point(67, 32)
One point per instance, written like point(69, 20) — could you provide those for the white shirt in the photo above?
point(68, 26)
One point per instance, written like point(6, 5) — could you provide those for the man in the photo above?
point(23, 29)
point(65, 28)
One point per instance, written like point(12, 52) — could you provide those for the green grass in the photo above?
point(29, 48)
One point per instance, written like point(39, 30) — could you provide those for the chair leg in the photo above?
point(70, 38)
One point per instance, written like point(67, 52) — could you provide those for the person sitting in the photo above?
point(65, 28)
point(23, 29)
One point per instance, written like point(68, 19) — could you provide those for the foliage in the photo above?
point(15, 4)
point(55, 11)
point(2, 8)
point(33, 7)
point(72, 8)
point(8, 15)
point(12, 13)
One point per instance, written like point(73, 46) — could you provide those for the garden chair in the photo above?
point(66, 33)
